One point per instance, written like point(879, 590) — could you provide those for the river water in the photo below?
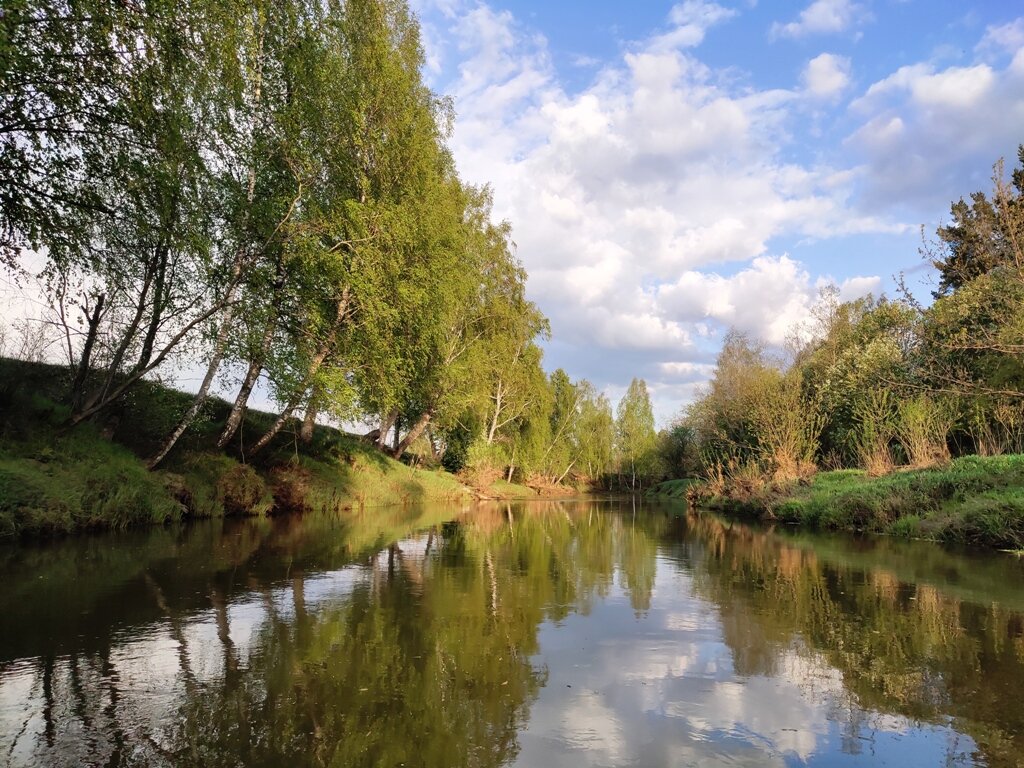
point(541, 634)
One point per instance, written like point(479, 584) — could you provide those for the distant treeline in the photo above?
point(263, 191)
point(879, 383)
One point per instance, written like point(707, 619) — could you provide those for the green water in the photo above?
point(541, 634)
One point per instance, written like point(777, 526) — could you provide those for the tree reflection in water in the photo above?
point(416, 638)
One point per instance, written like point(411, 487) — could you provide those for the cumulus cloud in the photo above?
point(826, 75)
point(821, 17)
point(686, 371)
point(624, 190)
point(924, 131)
point(767, 299)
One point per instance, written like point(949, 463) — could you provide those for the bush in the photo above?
point(290, 487)
point(923, 425)
point(877, 418)
point(908, 526)
point(484, 465)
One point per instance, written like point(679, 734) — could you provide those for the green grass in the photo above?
point(502, 489)
point(55, 480)
point(671, 489)
point(60, 483)
point(973, 500)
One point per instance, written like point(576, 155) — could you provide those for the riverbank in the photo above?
point(671, 489)
point(972, 500)
point(57, 481)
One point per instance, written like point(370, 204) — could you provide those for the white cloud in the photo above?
point(956, 88)
point(686, 371)
point(767, 299)
point(821, 17)
point(1003, 38)
point(585, 62)
point(826, 75)
point(925, 131)
point(619, 192)
point(690, 22)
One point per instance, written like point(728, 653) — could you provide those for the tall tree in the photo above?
point(984, 233)
point(634, 428)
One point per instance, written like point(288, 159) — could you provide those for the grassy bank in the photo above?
point(972, 500)
point(54, 480)
point(671, 489)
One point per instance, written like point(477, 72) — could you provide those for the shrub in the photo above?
point(290, 485)
point(923, 425)
point(787, 427)
point(877, 417)
point(484, 464)
point(908, 526)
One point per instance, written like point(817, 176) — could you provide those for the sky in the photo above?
point(674, 170)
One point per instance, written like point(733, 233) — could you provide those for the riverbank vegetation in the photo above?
point(58, 479)
point(259, 198)
point(913, 411)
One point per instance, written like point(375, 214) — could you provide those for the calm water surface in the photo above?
point(541, 635)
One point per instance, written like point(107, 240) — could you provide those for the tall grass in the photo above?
point(996, 428)
point(923, 425)
point(788, 427)
point(877, 418)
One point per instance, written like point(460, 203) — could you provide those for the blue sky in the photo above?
point(675, 169)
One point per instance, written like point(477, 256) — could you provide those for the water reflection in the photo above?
point(545, 634)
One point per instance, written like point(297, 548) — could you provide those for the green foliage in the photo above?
point(876, 383)
point(54, 481)
point(979, 238)
point(786, 426)
point(877, 418)
point(721, 417)
point(677, 446)
point(485, 463)
point(636, 441)
point(923, 425)
point(267, 184)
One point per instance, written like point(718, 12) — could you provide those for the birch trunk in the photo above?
point(415, 432)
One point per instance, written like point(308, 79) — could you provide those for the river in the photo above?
point(540, 634)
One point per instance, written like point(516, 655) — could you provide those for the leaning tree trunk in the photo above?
point(219, 346)
point(309, 419)
point(415, 432)
point(252, 375)
point(276, 427)
point(314, 368)
point(386, 423)
point(85, 362)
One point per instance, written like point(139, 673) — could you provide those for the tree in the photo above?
point(139, 263)
point(597, 434)
point(984, 234)
point(60, 103)
point(972, 337)
point(677, 446)
point(634, 430)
